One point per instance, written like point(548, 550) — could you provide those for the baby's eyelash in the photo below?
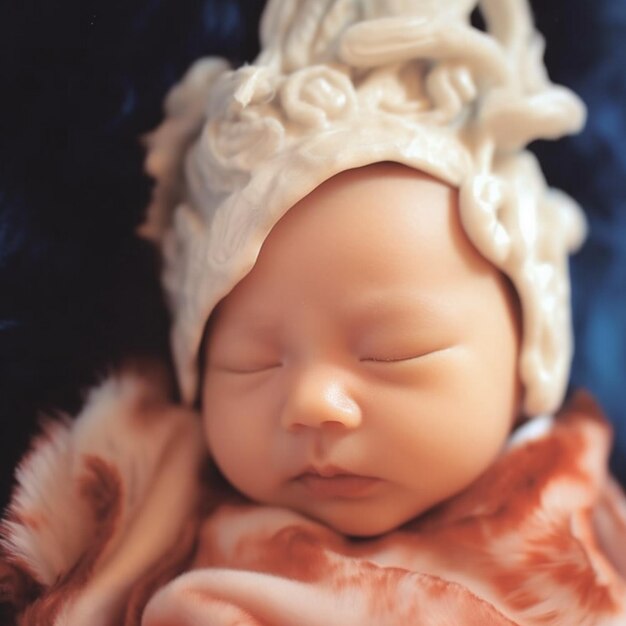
point(374, 359)
point(249, 370)
point(403, 359)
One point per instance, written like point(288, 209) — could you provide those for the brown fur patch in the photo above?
point(101, 487)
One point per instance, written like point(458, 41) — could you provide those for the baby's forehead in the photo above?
point(382, 229)
point(375, 188)
point(383, 210)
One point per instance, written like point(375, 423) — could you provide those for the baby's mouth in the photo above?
point(333, 482)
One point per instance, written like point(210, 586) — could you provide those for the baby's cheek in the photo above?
point(236, 432)
point(442, 432)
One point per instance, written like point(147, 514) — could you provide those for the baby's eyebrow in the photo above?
point(375, 305)
point(256, 324)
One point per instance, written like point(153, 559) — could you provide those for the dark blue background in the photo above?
point(80, 82)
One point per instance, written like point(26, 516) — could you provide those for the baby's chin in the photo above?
point(362, 521)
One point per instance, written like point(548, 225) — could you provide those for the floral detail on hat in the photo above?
point(240, 142)
point(318, 95)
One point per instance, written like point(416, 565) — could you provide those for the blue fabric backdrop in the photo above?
point(82, 81)
point(587, 51)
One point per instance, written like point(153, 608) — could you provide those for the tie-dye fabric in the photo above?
point(539, 539)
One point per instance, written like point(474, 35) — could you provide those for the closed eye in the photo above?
point(251, 369)
point(404, 359)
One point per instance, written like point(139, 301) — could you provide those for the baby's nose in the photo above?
point(318, 398)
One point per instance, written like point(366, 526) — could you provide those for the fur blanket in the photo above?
point(113, 522)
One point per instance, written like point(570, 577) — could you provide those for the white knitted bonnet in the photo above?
point(344, 83)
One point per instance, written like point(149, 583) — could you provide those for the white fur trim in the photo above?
point(154, 447)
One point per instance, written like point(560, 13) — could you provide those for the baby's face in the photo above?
point(366, 368)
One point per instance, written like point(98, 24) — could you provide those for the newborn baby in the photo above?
point(362, 380)
point(366, 368)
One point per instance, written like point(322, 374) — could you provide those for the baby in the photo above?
point(368, 281)
point(370, 344)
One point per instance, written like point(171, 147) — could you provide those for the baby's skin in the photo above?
point(366, 369)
